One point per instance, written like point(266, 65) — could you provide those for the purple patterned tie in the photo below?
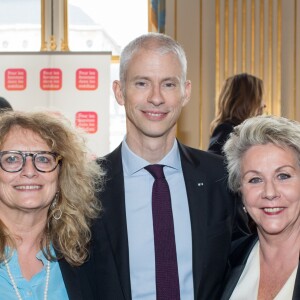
point(167, 280)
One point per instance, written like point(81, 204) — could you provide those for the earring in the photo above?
point(57, 214)
point(244, 209)
point(55, 200)
point(56, 211)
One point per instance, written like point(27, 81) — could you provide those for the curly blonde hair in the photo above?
point(79, 179)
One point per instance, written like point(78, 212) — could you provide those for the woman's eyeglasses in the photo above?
point(44, 161)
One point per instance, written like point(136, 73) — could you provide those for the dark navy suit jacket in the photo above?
point(214, 223)
point(78, 284)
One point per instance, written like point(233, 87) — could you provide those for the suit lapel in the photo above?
point(238, 260)
point(296, 293)
point(115, 219)
point(241, 250)
point(73, 283)
point(195, 181)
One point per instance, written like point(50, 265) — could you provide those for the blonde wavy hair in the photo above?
point(79, 179)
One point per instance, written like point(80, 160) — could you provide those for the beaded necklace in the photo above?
point(15, 285)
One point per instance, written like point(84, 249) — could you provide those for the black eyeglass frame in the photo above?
point(57, 157)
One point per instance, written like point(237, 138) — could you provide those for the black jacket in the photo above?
point(213, 215)
point(219, 137)
point(241, 250)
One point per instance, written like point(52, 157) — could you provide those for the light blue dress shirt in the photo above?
point(34, 288)
point(138, 198)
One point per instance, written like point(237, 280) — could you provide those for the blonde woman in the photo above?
point(47, 204)
point(263, 155)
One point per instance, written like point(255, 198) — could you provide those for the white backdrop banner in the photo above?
point(75, 84)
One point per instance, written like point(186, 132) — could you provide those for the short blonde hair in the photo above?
point(254, 131)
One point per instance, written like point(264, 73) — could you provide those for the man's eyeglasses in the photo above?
point(14, 161)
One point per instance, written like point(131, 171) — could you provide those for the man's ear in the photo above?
point(187, 92)
point(118, 92)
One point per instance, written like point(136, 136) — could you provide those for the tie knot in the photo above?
point(156, 171)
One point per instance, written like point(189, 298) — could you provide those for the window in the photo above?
point(94, 25)
point(20, 25)
point(98, 25)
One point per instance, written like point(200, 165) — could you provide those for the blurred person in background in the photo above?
point(241, 97)
point(5, 105)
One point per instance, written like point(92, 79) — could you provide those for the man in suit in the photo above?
point(153, 89)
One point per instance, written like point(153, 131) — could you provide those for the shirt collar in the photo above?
point(132, 163)
point(14, 260)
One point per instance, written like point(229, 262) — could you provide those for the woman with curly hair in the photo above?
point(48, 183)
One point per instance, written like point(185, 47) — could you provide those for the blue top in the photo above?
point(34, 288)
point(138, 200)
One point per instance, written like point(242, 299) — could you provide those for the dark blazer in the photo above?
point(213, 217)
point(77, 282)
point(241, 250)
point(219, 137)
